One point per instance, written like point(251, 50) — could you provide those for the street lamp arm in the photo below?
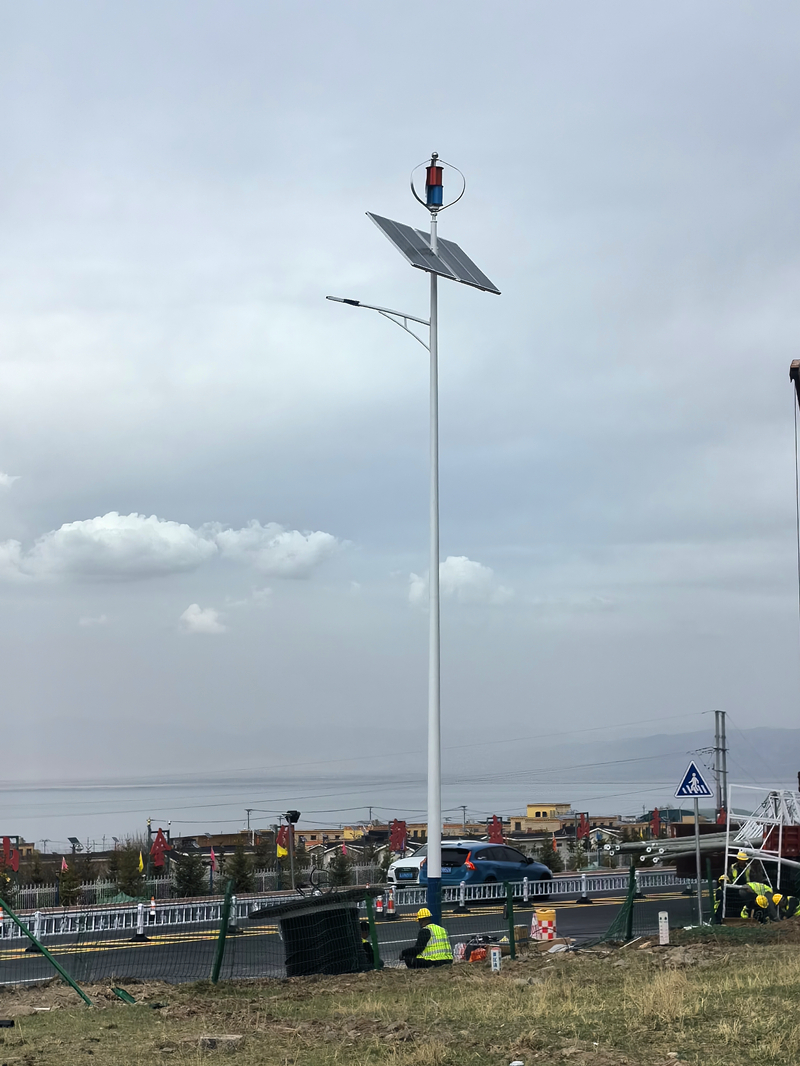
point(392, 316)
point(382, 310)
point(402, 325)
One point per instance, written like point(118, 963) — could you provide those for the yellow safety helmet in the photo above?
point(762, 902)
point(722, 877)
point(777, 897)
point(423, 912)
point(742, 856)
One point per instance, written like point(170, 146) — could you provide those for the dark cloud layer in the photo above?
point(182, 186)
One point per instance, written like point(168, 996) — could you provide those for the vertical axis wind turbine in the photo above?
point(445, 259)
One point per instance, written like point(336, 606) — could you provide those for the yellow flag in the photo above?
point(281, 851)
point(141, 862)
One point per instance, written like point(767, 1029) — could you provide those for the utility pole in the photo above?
point(463, 809)
point(720, 760)
point(248, 811)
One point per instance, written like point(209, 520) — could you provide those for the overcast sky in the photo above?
point(214, 510)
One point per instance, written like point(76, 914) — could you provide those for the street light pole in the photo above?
point(434, 862)
point(451, 262)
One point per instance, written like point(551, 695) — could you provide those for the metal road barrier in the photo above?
point(580, 885)
point(72, 920)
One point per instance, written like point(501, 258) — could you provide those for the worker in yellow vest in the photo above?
point(758, 904)
point(739, 869)
point(432, 947)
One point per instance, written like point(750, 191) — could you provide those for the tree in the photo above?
point(384, 864)
point(264, 855)
point(301, 857)
point(578, 854)
point(548, 854)
point(191, 878)
point(240, 868)
point(339, 869)
point(123, 869)
point(36, 874)
point(69, 886)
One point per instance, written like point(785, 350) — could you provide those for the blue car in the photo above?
point(479, 863)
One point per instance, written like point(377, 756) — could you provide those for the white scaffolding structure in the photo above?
point(757, 836)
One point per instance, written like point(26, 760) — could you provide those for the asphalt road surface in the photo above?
point(186, 952)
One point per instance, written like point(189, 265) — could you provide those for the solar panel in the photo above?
point(463, 268)
point(450, 261)
point(415, 246)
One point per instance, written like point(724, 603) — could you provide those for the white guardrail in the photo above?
point(144, 917)
point(580, 885)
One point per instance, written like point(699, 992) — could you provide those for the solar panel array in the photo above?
point(450, 261)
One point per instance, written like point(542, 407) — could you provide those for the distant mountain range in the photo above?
point(758, 756)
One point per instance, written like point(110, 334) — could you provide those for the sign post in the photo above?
point(693, 786)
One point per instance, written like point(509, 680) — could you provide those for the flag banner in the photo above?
point(213, 861)
point(63, 864)
point(141, 862)
point(282, 842)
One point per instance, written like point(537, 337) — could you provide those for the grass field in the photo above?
point(722, 1001)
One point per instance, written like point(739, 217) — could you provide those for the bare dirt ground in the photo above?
point(725, 999)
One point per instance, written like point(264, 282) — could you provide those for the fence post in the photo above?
point(373, 934)
point(584, 896)
point(140, 924)
point(37, 933)
point(510, 912)
point(233, 925)
point(461, 907)
point(219, 954)
point(632, 885)
point(639, 893)
point(526, 892)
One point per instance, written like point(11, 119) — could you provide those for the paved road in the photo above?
point(185, 953)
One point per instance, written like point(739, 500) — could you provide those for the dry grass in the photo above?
point(708, 1004)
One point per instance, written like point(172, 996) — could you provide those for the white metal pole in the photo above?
point(697, 860)
point(434, 862)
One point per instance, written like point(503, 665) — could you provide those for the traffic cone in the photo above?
point(152, 908)
point(379, 906)
point(390, 911)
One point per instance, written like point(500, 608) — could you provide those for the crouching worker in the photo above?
point(758, 907)
point(786, 906)
point(432, 947)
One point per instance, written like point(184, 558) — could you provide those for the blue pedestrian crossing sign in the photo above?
point(692, 785)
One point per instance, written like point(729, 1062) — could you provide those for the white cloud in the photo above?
point(99, 620)
point(197, 619)
point(7, 480)
point(464, 580)
point(275, 550)
point(126, 547)
point(418, 588)
point(258, 597)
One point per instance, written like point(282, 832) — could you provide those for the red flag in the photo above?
point(344, 849)
point(583, 827)
point(397, 836)
point(160, 845)
point(213, 861)
point(495, 828)
point(63, 864)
